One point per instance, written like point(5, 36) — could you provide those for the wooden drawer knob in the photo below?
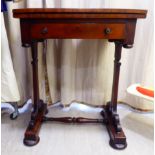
point(44, 30)
point(107, 31)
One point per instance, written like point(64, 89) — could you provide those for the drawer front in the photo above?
point(78, 30)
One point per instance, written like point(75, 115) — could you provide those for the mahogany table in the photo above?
point(116, 25)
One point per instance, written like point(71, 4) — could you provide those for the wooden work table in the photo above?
point(116, 25)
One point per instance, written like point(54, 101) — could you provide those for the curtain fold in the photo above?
point(9, 86)
point(81, 70)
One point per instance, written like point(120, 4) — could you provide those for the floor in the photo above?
point(86, 139)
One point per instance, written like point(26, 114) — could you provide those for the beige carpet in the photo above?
point(67, 139)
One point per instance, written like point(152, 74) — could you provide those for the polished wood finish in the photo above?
point(78, 13)
point(118, 50)
point(78, 23)
point(31, 135)
point(34, 50)
point(116, 25)
point(74, 120)
point(79, 31)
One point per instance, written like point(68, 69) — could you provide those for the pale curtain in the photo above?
point(81, 70)
point(10, 91)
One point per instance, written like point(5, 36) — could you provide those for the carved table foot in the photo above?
point(117, 136)
point(31, 135)
point(29, 141)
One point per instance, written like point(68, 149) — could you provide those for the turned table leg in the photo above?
point(117, 137)
point(34, 51)
point(117, 64)
point(39, 108)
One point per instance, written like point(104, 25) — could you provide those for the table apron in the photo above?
point(78, 30)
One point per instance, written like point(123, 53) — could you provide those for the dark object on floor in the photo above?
point(10, 108)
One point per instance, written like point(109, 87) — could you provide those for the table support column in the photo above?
point(117, 136)
point(34, 51)
point(117, 64)
point(39, 107)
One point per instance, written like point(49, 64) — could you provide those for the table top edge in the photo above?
point(18, 13)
